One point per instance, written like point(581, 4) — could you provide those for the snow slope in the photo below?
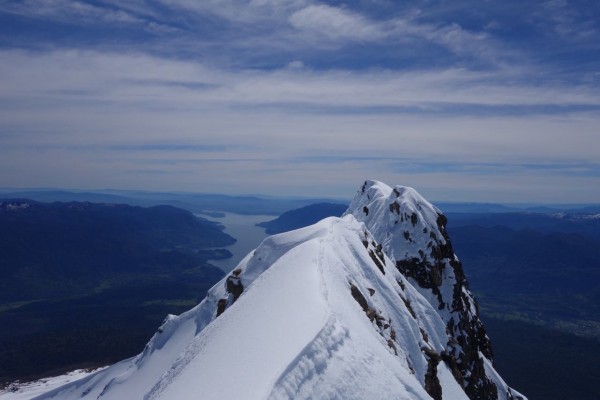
point(27, 390)
point(320, 312)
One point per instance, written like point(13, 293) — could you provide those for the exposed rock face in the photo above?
point(234, 285)
point(432, 382)
point(412, 233)
point(221, 305)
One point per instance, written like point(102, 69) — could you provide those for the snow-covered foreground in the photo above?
point(320, 312)
point(28, 390)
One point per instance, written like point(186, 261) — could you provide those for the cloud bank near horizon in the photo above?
point(463, 100)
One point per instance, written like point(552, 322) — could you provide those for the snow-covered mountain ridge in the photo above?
point(413, 234)
point(373, 305)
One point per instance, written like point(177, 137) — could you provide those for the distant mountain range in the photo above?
point(259, 204)
point(543, 268)
point(84, 272)
point(493, 208)
point(195, 202)
point(304, 216)
point(83, 245)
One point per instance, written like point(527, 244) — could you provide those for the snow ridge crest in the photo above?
point(370, 305)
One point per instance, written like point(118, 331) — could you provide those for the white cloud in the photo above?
point(139, 80)
point(336, 23)
point(296, 64)
point(81, 12)
point(63, 111)
point(239, 11)
point(277, 121)
point(567, 20)
point(265, 27)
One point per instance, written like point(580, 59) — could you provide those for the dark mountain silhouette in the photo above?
point(195, 202)
point(70, 248)
point(302, 217)
point(97, 278)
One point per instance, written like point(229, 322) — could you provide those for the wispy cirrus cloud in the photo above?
point(144, 79)
point(82, 13)
point(568, 20)
point(337, 23)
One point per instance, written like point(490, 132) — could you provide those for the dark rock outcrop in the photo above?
point(234, 284)
point(416, 240)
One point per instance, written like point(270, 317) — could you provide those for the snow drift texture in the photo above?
point(373, 305)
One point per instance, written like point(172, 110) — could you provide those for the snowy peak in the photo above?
point(413, 235)
point(321, 312)
point(407, 225)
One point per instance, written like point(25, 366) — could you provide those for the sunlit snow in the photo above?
point(323, 314)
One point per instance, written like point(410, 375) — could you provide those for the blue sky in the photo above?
point(463, 100)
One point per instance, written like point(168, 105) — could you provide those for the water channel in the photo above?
point(243, 228)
